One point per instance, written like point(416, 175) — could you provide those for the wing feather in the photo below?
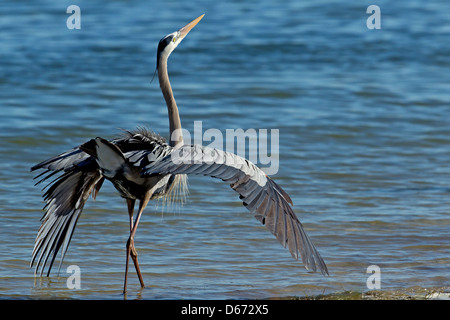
point(65, 199)
point(77, 176)
point(62, 161)
point(260, 194)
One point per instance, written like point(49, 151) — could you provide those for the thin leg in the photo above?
point(130, 204)
point(131, 251)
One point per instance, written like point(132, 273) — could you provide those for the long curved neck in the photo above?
point(176, 137)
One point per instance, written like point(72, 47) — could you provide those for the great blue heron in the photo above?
point(141, 166)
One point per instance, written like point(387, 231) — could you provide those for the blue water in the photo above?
point(364, 124)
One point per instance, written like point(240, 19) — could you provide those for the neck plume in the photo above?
point(176, 137)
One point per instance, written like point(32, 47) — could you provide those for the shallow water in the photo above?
point(363, 117)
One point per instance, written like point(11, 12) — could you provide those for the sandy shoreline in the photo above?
point(442, 293)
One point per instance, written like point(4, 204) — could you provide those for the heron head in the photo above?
point(171, 41)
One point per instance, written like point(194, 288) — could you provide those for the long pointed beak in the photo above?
point(185, 30)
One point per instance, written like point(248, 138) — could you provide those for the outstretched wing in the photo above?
point(78, 175)
point(65, 198)
point(260, 194)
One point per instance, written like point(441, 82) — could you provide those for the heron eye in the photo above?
point(174, 39)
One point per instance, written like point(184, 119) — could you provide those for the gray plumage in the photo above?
point(79, 176)
point(259, 193)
